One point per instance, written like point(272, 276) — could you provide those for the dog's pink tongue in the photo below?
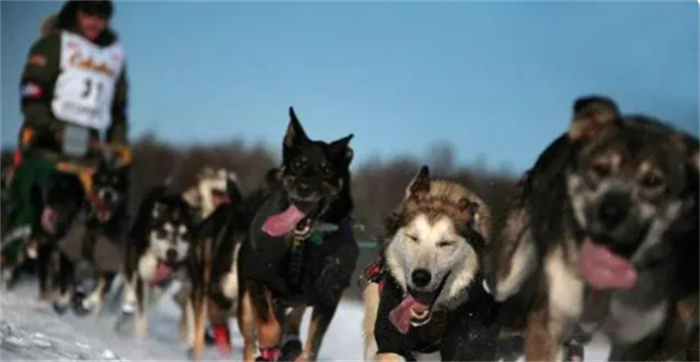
point(163, 271)
point(221, 200)
point(48, 219)
point(602, 269)
point(400, 316)
point(284, 222)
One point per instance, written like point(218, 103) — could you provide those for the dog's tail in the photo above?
point(370, 300)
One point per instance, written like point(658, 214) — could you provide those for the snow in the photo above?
point(31, 330)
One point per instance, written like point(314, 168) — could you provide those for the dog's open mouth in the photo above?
point(49, 218)
point(415, 309)
point(219, 197)
point(103, 209)
point(104, 214)
point(420, 311)
point(603, 269)
point(297, 219)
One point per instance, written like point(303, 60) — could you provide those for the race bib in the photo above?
point(85, 88)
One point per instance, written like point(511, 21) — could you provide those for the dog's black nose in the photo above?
point(303, 189)
point(109, 197)
point(613, 210)
point(171, 255)
point(420, 277)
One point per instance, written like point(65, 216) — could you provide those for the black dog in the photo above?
point(92, 253)
point(62, 197)
point(300, 250)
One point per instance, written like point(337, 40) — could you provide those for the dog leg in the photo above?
point(142, 291)
point(218, 317)
point(320, 320)
point(370, 302)
point(44, 262)
point(389, 357)
point(246, 325)
point(189, 332)
point(130, 299)
point(268, 326)
point(182, 297)
point(553, 321)
point(200, 319)
point(291, 344)
point(200, 294)
point(65, 287)
point(94, 299)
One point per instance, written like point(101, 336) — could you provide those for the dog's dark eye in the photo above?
point(652, 180)
point(298, 163)
point(445, 243)
point(327, 171)
point(413, 238)
point(601, 169)
point(161, 234)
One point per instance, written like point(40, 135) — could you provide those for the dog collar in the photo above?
point(96, 202)
point(316, 237)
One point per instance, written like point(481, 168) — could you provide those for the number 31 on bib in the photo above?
point(85, 87)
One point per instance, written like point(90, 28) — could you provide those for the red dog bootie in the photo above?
point(222, 339)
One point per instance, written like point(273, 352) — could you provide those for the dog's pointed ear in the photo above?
point(420, 183)
point(295, 133)
point(341, 146)
point(591, 116)
point(478, 216)
point(468, 206)
point(690, 147)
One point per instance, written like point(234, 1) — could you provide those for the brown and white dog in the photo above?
point(603, 237)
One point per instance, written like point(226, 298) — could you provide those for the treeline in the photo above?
point(377, 185)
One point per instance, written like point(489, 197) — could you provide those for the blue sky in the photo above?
point(495, 79)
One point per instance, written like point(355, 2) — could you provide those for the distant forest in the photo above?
point(377, 186)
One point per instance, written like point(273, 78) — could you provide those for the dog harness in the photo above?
point(297, 258)
point(97, 204)
point(375, 273)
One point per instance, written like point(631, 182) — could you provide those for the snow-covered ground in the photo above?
point(30, 330)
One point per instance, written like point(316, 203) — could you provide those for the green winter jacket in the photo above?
point(38, 82)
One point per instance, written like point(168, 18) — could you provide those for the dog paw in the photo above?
point(291, 350)
point(60, 308)
point(81, 307)
point(209, 339)
point(574, 353)
point(124, 323)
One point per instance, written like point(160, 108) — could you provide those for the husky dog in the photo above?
point(159, 250)
point(213, 188)
point(215, 280)
point(430, 298)
point(299, 249)
point(604, 237)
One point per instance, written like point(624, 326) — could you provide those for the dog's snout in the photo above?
point(108, 197)
point(171, 255)
point(420, 277)
point(304, 189)
point(613, 210)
